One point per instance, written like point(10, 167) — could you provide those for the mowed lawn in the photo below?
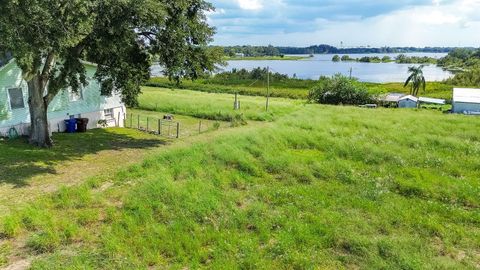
point(322, 187)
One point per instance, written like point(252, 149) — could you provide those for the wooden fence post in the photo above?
point(159, 126)
point(178, 130)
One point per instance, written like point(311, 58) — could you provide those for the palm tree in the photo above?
point(417, 80)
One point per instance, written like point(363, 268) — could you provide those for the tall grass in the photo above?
point(325, 187)
point(291, 88)
point(213, 106)
point(296, 89)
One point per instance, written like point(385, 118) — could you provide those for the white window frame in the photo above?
point(10, 100)
point(109, 113)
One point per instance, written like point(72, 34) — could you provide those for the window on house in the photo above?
point(108, 113)
point(75, 96)
point(16, 98)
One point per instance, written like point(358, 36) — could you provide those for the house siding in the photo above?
point(90, 106)
point(407, 103)
point(461, 107)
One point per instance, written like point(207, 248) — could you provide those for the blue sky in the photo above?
point(347, 22)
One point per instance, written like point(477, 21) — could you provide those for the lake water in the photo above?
point(322, 64)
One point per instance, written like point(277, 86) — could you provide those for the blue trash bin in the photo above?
point(71, 125)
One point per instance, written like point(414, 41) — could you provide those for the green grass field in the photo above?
point(292, 88)
point(213, 106)
point(318, 187)
point(189, 126)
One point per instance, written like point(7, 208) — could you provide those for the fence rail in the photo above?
point(162, 127)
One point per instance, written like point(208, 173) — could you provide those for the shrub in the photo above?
point(467, 78)
point(339, 90)
point(336, 58)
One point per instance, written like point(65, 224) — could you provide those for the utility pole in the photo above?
point(268, 88)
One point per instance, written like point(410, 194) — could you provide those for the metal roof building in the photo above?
point(432, 100)
point(466, 100)
point(408, 102)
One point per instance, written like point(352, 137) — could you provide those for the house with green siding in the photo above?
point(88, 103)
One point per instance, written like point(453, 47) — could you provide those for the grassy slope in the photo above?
point(189, 126)
point(334, 187)
point(293, 88)
point(212, 106)
point(27, 172)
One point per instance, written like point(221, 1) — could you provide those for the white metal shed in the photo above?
point(408, 102)
point(466, 100)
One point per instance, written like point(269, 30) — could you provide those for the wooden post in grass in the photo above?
point(236, 105)
point(148, 124)
point(159, 127)
point(268, 88)
point(178, 130)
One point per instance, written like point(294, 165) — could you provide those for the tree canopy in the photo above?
point(416, 80)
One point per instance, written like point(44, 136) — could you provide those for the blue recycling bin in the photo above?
point(71, 125)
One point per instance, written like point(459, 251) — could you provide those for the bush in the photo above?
point(340, 90)
point(467, 78)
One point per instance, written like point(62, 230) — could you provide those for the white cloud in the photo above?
point(250, 4)
point(437, 23)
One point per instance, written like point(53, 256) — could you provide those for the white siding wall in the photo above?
point(461, 107)
point(91, 106)
point(406, 103)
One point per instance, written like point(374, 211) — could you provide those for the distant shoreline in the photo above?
point(267, 58)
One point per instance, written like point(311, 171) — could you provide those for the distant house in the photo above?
point(88, 103)
point(408, 102)
point(241, 55)
point(390, 99)
point(466, 100)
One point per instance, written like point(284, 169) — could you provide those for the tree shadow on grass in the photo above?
point(19, 161)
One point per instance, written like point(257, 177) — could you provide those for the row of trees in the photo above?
point(325, 49)
point(252, 51)
point(243, 74)
point(461, 58)
point(466, 64)
point(400, 59)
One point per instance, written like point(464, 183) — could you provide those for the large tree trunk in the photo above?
point(38, 103)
